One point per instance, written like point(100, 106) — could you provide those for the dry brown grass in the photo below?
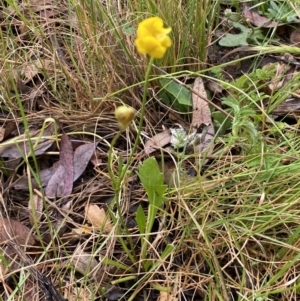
point(234, 229)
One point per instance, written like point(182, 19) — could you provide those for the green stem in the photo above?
point(110, 159)
point(143, 109)
point(117, 182)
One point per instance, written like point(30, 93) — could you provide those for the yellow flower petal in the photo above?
point(166, 41)
point(152, 37)
point(124, 116)
point(151, 46)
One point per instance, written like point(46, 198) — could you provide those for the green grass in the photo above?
point(230, 232)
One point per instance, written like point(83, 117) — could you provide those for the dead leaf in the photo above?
point(20, 146)
point(201, 111)
point(96, 159)
point(295, 36)
point(175, 176)
point(35, 208)
point(281, 69)
point(158, 141)
point(85, 263)
point(30, 69)
point(7, 129)
point(2, 133)
point(12, 229)
point(258, 20)
point(214, 87)
point(11, 165)
point(289, 105)
point(12, 260)
point(82, 156)
point(114, 293)
point(202, 115)
point(98, 218)
point(61, 182)
point(56, 185)
point(45, 175)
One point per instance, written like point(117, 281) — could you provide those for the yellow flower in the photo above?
point(124, 116)
point(152, 37)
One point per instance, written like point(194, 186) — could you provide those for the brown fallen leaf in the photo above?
point(96, 158)
point(45, 175)
point(295, 36)
point(98, 218)
point(13, 229)
point(82, 157)
point(158, 141)
point(289, 105)
point(84, 262)
point(6, 129)
point(281, 69)
point(20, 146)
point(35, 208)
point(202, 115)
point(201, 111)
point(256, 19)
point(30, 69)
point(175, 177)
point(214, 87)
point(61, 182)
point(2, 133)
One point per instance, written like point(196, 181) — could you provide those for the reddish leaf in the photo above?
point(66, 160)
point(19, 146)
point(7, 129)
point(2, 133)
point(82, 156)
point(295, 36)
point(98, 218)
point(35, 208)
point(96, 158)
point(256, 19)
point(201, 110)
point(158, 141)
point(45, 175)
point(61, 182)
point(12, 229)
point(86, 264)
point(202, 115)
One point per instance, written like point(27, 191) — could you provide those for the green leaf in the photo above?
point(257, 37)
point(232, 104)
point(141, 219)
point(128, 29)
point(222, 122)
point(153, 182)
point(167, 251)
point(181, 94)
point(151, 177)
point(233, 40)
point(283, 12)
